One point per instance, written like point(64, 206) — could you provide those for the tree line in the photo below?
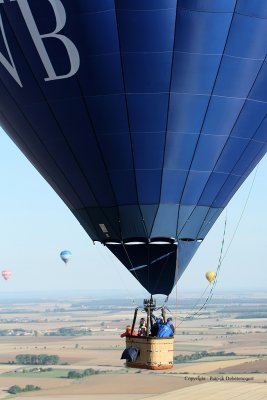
point(197, 356)
point(17, 389)
point(78, 375)
point(37, 359)
point(69, 332)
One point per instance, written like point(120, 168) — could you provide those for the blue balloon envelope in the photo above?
point(66, 256)
point(144, 116)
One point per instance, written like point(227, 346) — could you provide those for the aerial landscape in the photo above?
point(133, 136)
point(224, 347)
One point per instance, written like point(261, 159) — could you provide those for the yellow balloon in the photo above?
point(211, 276)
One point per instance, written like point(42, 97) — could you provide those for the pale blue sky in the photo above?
point(36, 225)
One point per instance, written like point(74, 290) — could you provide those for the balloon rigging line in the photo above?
point(195, 304)
point(126, 286)
point(176, 304)
point(129, 258)
point(223, 255)
point(242, 213)
point(160, 276)
point(191, 315)
point(221, 258)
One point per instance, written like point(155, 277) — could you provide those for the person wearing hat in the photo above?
point(128, 332)
point(155, 327)
point(163, 329)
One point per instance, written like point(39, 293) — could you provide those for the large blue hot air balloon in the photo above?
point(145, 116)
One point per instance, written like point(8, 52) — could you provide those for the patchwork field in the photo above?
point(222, 352)
point(222, 391)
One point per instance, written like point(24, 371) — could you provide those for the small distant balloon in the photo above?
point(65, 256)
point(6, 274)
point(211, 276)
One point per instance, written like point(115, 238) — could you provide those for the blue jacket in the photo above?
point(164, 329)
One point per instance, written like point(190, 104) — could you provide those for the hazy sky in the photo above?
point(36, 225)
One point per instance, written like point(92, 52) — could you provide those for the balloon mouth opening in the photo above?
point(162, 240)
point(142, 240)
point(150, 241)
point(200, 240)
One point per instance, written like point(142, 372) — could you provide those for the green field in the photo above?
point(216, 358)
point(56, 373)
point(61, 373)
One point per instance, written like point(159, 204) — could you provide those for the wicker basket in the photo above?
point(154, 353)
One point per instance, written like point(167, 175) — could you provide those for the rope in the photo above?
point(129, 258)
point(221, 259)
point(242, 213)
point(176, 304)
point(107, 256)
point(196, 303)
point(211, 292)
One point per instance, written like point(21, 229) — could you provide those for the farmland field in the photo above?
point(231, 352)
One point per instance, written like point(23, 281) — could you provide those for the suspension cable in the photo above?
point(108, 257)
point(191, 315)
point(129, 258)
point(221, 259)
point(242, 213)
